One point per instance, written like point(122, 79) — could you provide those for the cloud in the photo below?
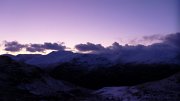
point(89, 47)
point(35, 48)
point(170, 41)
point(54, 46)
point(147, 40)
point(154, 37)
point(13, 46)
point(98, 48)
point(114, 46)
point(45, 46)
point(165, 51)
point(173, 40)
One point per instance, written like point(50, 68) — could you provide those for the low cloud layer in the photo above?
point(89, 47)
point(45, 46)
point(173, 40)
point(153, 37)
point(166, 50)
point(15, 46)
point(35, 48)
point(147, 40)
point(170, 41)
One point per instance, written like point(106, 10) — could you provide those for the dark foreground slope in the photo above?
point(22, 82)
point(163, 90)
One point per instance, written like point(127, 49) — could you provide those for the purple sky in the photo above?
point(81, 21)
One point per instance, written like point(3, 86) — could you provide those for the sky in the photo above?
point(80, 21)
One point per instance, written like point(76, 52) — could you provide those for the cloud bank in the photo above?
point(169, 46)
point(45, 46)
point(168, 41)
point(166, 50)
point(15, 46)
point(89, 47)
point(147, 40)
point(173, 40)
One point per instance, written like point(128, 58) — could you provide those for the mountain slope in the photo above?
point(58, 57)
point(22, 82)
point(128, 55)
point(52, 58)
point(164, 90)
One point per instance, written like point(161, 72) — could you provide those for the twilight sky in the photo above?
point(81, 21)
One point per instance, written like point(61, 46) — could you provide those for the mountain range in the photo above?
point(58, 57)
point(68, 76)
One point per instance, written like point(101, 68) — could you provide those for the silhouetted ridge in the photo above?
point(5, 60)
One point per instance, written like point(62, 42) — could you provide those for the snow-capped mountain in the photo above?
point(142, 56)
point(26, 57)
point(91, 60)
point(149, 57)
point(59, 57)
point(22, 57)
point(52, 58)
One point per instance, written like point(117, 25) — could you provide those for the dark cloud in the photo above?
point(45, 46)
point(153, 37)
point(89, 47)
point(98, 48)
point(54, 46)
point(147, 40)
point(13, 46)
point(35, 48)
point(167, 50)
point(115, 46)
point(173, 40)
